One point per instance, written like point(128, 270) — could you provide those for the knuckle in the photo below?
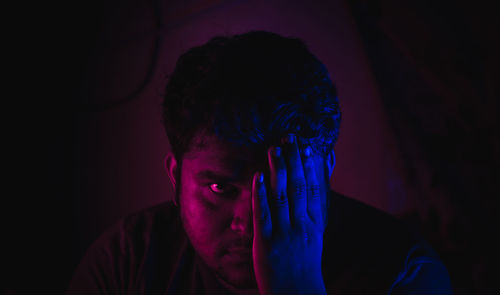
point(314, 190)
point(298, 188)
point(281, 201)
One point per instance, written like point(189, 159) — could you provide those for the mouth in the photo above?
point(240, 253)
point(241, 250)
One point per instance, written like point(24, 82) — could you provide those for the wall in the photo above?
point(121, 146)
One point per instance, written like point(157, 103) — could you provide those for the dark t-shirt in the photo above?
point(365, 251)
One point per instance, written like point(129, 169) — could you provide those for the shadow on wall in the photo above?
point(436, 66)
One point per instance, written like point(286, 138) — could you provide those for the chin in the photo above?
point(240, 275)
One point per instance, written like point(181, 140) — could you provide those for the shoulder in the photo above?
point(431, 279)
point(136, 235)
point(363, 222)
point(134, 231)
point(366, 233)
point(119, 255)
point(422, 273)
point(163, 217)
point(368, 245)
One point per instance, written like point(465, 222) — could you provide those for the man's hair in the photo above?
point(250, 90)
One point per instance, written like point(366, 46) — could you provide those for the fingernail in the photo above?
point(277, 152)
point(307, 151)
point(261, 177)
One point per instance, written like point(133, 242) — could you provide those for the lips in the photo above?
point(239, 253)
point(240, 250)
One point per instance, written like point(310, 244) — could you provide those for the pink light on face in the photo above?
point(215, 201)
point(218, 218)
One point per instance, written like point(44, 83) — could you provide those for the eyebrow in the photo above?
point(214, 176)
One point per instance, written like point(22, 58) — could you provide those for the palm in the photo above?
point(288, 244)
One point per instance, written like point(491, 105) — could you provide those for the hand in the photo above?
point(288, 224)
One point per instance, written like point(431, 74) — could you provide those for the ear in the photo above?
point(171, 169)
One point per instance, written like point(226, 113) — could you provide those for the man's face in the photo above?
point(216, 207)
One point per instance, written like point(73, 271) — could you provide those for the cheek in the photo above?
point(201, 214)
point(197, 202)
point(205, 224)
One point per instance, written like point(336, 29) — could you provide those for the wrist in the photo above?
point(315, 286)
point(320, 289)
point(319, 286)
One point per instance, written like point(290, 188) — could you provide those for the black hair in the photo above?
point(250, 89)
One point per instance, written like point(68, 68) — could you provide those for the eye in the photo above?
point(220, 189)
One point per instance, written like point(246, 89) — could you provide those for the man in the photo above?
point(252, 120)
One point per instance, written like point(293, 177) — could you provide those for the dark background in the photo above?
point(418, 85)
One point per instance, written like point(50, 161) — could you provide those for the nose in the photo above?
point(242, 215)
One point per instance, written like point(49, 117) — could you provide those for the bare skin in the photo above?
point(220, 201)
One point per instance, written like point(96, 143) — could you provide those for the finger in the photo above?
point(296, 183)
point(262, 226)
point(313, 188)
point(278, 200)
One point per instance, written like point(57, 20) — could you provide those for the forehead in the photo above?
point(210, 153)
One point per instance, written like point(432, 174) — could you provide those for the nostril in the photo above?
point(242, 225)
